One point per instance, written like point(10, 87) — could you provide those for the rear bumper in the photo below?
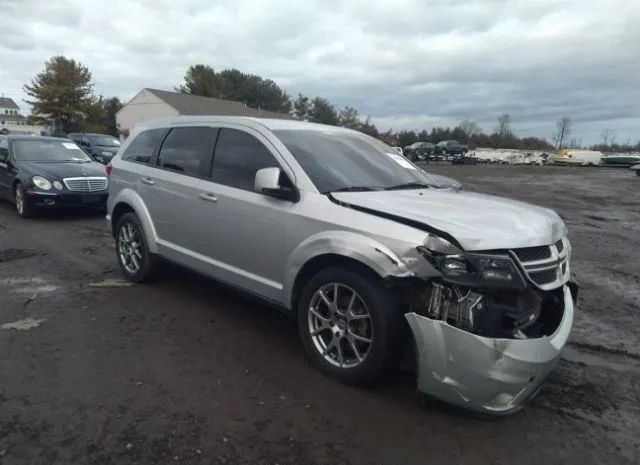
point(67, 199)
point(495, 376)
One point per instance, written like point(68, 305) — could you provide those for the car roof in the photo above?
point(14, 138)
point(270, 123)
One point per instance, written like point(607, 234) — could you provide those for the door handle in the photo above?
point(208, 197)
point(148, 181)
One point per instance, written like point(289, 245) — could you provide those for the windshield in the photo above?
point(104, 140)
point(48, 150)
point(336, 160)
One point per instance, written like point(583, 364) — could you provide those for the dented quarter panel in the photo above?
point(484, 374)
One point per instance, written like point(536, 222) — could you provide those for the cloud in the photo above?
point(407, 63)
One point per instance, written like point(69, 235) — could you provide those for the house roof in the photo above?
point(12, 117)
point(6, 102)
point(187, 104)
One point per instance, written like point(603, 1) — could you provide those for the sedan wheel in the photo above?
point(340, 325)
point(24, 207)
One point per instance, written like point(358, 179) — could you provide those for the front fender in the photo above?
point(364, 249)
point(130, 197)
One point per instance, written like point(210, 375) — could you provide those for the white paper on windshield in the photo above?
point(400, 160)
point(71, 146)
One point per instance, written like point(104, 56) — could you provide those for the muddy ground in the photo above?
point(187, 371)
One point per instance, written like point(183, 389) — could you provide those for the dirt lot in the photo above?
point(187, 371)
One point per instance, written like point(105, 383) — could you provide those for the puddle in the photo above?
point(7, 255)
point(23, 325)
point(111, 282)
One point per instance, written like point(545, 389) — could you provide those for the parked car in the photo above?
point(101, 147)
point(450, 147)
point(636, 168)
point(366, 251)
point(419, 150)
point(578, 157)
point(46, 172)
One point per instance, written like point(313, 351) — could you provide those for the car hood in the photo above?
point(59, 170)
point(476, 221)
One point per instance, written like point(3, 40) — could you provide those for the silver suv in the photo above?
point(373, 257)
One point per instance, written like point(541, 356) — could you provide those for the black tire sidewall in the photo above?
point(27, 206)
point(384, 354)
point(148, 268)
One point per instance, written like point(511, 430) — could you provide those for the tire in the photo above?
point(132, 251)
point(24, 206)
point(348, 359)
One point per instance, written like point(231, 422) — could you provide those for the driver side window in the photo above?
point(238, 156)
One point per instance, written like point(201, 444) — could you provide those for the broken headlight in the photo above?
point(475, 269)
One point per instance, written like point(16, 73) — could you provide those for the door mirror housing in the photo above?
point(267, 182)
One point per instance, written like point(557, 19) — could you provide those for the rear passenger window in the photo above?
point(187, 151)
point(141, 148)
point(237, 158)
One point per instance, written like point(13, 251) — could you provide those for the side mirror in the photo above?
point(267, 182)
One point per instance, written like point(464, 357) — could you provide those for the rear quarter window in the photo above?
point(141, 149)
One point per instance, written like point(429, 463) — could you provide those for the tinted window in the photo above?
point(340, 160)
point(142, 147)
point(237, 158)
point(187, 151)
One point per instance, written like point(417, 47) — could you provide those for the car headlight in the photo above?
point(41, 183)
point(475, 269)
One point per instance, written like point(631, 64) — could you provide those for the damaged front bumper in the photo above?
point(495, 376)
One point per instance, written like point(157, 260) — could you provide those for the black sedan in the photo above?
point(48, 172)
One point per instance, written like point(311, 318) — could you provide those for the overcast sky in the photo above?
point(407, 63)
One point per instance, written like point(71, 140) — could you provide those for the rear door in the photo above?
point(173, 193)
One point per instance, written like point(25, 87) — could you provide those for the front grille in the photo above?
point(544, 277)
point(532, 254)
point(546, 266)
point(86, 184)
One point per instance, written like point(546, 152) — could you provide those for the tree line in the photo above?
point(64, 90)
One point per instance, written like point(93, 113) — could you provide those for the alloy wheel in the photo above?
point(19, 201)
point(340, 325)
point(129, 248)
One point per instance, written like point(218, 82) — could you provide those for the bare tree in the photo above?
point(563, 129)
point(469, 129)
point(608, 136)
point(503, 129)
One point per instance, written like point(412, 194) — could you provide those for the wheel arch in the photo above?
point(335, 249)
point(130, 201)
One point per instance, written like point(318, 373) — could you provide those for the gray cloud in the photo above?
point(407, 63)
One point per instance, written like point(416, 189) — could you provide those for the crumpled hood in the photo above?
point(476, 221)
point(59, 170)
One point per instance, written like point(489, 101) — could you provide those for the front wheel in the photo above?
point(136, 261)
point(24, 206)
point(349, 324)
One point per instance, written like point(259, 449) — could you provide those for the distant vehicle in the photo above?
point(419, 150)
point(101, 147)
point(578, 157)
point(450, 147)
point(47, 172)
point(621, 159)
point(636, 168)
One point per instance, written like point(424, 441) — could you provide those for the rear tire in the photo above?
point(137, 263)
point(357, 340)
point(24, 206)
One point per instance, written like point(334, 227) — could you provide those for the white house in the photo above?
point(150, 104)
point(12, 121)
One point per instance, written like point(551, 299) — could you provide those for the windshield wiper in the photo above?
point(408, 185)
point(354, 189)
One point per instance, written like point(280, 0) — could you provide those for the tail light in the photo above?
point(108, 168)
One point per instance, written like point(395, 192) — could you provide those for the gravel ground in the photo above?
point(96, 371)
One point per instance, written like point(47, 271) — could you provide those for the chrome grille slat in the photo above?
point(546, 266)
point(86, 184)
